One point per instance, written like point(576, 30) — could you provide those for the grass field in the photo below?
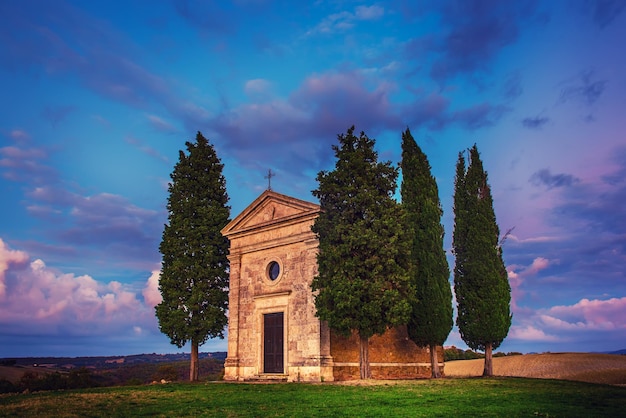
point(494, 397)
point(544, 396)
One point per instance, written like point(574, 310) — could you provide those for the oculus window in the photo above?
point(273, 270)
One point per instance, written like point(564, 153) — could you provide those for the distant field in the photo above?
point(583, 367)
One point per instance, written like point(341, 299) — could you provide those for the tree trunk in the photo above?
point(434, 362)
point(488, 361)
point(364, 357)
point(193, 366)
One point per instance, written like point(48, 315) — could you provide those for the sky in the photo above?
point(99, 97)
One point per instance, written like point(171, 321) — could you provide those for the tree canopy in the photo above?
point(431, 320)
point(194, 272)
point(362, 281)
point(481, 284)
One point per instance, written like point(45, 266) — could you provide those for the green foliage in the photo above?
point(500, 397)
point(453, 353)
point(75, 379)
point(431, 314)
point(7, 386)
point(362, 281)
point(481, 285)
point(194, 274)
point(166, 372)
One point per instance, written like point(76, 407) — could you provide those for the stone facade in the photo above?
point(273, 332)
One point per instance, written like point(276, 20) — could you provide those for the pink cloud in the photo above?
point(603, 318)
point(516, 279)
point(19, 135)
point(8, 257)
point(589, 315)
point(39, 299)
point(530, 333)
point(257, 87)
point(24, 164)
point(151, 294)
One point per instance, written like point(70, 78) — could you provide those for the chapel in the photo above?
point(273, 333)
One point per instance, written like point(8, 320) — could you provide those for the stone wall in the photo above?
point(392, 355)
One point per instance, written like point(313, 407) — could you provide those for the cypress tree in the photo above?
point(362, 282)
point(431, 315)
point(194, 271)
point(481, 284)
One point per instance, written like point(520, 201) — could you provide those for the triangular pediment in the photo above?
point(268, 209)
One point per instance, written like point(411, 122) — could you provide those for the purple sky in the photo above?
point(98, 97)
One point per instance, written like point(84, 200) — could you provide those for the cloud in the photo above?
point(151, 294)
point(104, 226)
point(41, 300)
point(476, 32)
point(212, 17)
point(296, 133)
point(512, 88)
point(62, 40)
point(596, 325)
point(19, 135)
point(605, 11)
point(586, 89)
point(161, 125)
point(369, 12)
point(344, 20)
point(257, 87)
point(530, 333)
point(594, 315)
point(479, 116)
point(517, 279)
point(146, 149)
point(23, 164)
point(536, 122)
point(52, 312)
point(8, 257)
point(429, 111)
point(545, 178)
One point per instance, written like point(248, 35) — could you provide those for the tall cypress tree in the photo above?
point(481, 285)
point(431, 316)
point(194, 272)
point(362, 282)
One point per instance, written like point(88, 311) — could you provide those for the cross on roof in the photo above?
point(269, 176)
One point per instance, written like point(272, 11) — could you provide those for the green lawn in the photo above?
point(497, 397)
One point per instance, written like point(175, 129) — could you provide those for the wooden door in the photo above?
point(273, 330)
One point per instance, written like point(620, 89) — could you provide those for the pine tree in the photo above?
point(194, 272)
point(362, 282)
point(481, 285)
point(431, 315)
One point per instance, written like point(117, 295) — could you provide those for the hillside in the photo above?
point(584, 367)
point(54, 372)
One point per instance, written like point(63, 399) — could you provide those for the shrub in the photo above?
point(7, 387)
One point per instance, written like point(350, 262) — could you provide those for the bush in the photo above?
point(76, 379)
point(166, 372)
point(7, 387)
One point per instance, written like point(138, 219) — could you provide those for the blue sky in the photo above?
point(100, 96)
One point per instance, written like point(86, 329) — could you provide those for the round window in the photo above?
point(273, 270)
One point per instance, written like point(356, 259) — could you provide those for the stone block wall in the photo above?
point(392, 355)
